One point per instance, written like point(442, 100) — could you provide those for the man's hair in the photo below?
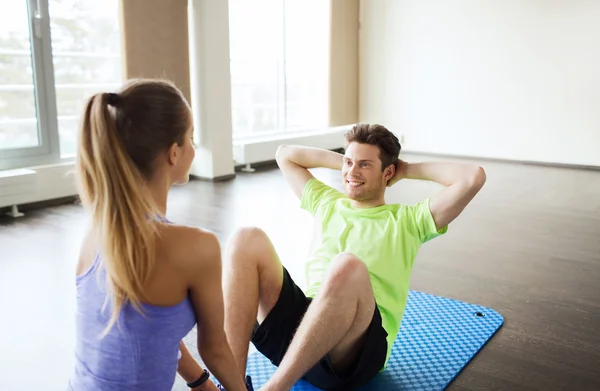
point(381, 137)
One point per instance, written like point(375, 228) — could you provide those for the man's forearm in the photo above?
point(445, 173)
point(462, 182)
point(309, 157)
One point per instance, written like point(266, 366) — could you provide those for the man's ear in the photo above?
point(389, 172)
point(173, 154)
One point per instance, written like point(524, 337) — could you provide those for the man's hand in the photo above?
point(462, 182)
point(400, 173)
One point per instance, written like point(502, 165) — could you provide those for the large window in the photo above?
point(19, 127)
point(279, 65)
point(53, 55)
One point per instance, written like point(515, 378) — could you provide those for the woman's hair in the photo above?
point(120, 137)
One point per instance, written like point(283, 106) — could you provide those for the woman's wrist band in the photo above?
point(201, 380)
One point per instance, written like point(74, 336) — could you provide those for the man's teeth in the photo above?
point(352, 183)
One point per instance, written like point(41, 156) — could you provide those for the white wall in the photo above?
point(515, 79)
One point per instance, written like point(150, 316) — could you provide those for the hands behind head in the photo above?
point(399, 174)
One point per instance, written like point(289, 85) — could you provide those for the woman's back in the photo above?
point(141, 350)
point(153, 280)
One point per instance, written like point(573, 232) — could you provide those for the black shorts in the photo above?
point(274, 335)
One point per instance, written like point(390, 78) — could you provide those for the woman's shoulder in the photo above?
point(184, 232)
point(187, 245)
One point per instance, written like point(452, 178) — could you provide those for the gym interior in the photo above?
point(511, 86)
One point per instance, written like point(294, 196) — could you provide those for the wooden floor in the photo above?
point(528, 247)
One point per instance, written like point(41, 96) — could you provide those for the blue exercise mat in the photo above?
point(437, 339)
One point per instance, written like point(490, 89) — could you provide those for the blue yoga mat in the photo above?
point(437, 339)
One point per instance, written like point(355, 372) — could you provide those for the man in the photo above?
point(339, 333)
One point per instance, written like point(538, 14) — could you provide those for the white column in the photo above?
point(210, 83)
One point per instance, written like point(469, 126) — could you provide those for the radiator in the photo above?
point(16, 186)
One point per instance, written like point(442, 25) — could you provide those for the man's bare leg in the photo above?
point(335, 323)
point(252, 281)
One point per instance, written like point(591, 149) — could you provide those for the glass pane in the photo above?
point(18, 114)
point(255, 29)
point(256, 51)
point(68, 133)
point(307, 59)
point(254, 97)
point(87, 58)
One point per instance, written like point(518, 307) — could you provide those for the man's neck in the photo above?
point(367, 204)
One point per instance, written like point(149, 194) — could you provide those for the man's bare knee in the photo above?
point(348, 272)
point(246, 237)
point(348, 284)
point(250, 251)
point(246, 245)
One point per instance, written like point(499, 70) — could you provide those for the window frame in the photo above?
point(44, 96)
point(48, 150)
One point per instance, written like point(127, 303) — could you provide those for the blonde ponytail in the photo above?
point(112, 189)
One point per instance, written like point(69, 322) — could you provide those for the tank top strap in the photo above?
point(92, 269)
point(162, 219)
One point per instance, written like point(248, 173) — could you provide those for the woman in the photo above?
point(142, 282)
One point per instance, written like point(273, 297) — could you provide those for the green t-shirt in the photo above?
point(386, 238)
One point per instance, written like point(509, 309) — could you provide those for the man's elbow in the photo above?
point(282, 153)
point(477, 178)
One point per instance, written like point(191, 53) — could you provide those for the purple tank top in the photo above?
point(141, 352)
